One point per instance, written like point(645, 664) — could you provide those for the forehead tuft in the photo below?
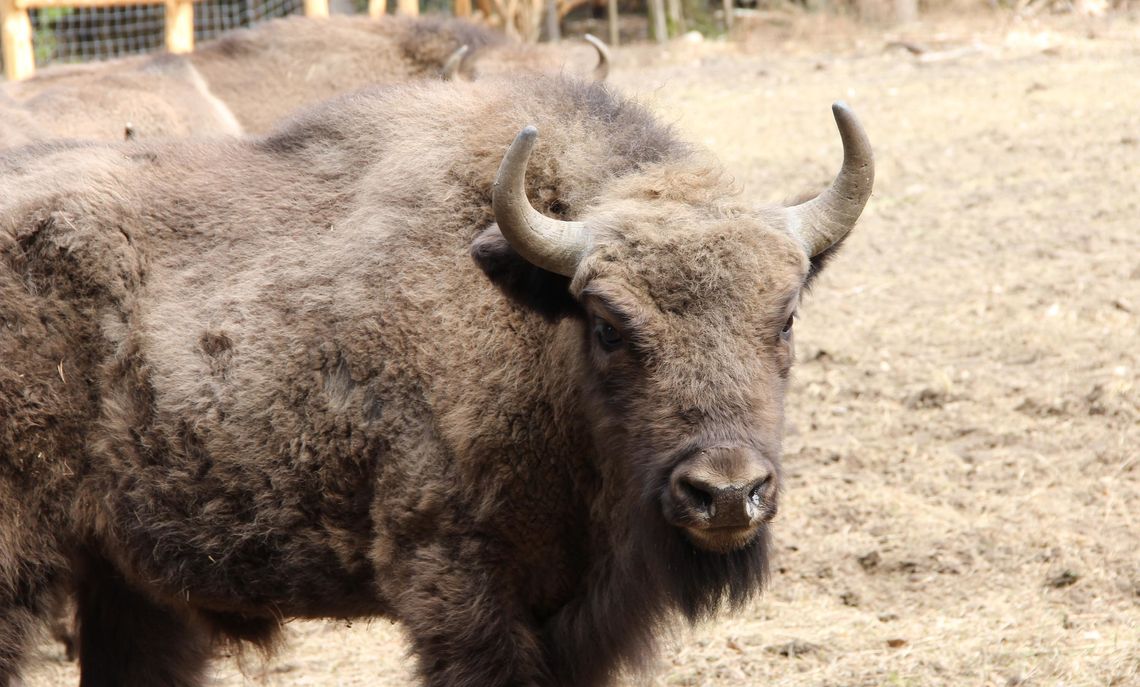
point(693, 267)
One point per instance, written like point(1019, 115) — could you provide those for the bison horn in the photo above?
point(451, 66)
point(602, 70)
point(824, 220)
point(553, 245)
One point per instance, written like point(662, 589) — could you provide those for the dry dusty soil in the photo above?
point(963, 460)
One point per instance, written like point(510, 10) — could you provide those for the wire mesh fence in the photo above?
point(81, 34)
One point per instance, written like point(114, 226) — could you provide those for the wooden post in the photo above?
point(612, 17)
point(318, 8)
point(550, 16)
point(16, 35)
point(906, 11)
point(676, 17)
point(657, 20)
point(180, 26)
point(410, 8)
point(729, 8)
point(463, 8)
point(377, 8)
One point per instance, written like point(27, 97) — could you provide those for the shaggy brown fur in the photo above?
point(246, 381)
point(158, 96)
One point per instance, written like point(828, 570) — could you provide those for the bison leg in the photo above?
point(128, 640)
point(465, 626)
point(24, 604)
point(15, 626)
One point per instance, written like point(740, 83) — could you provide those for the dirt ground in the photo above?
point(962, 502)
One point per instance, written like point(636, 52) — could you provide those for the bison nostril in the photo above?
point(699, 498)
point(756, 494)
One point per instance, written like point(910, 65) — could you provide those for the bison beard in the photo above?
point(322, 374)
point(656, 571)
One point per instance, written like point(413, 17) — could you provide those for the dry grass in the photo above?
point(963, 485)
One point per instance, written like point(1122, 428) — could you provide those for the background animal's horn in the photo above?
point(553, 245)
point(825, 219)
point(451, 66)
point(602, 70)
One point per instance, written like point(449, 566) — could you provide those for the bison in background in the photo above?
point(505, 58)
point(250, 79)
point(157, 96)
point(336, 372)
point(266, 72)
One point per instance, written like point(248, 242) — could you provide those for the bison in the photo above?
point(527, 403)
point(266, 72)
point(503, 58)
point(250, 79)
point(162, 95)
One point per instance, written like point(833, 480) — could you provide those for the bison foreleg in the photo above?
point(25, 601)
point(465, 629)
point(128, 640)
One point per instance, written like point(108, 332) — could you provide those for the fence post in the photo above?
point(377, 8)
point(657, 20)
point(410, 8)
point(463, 8)
point(612, 18)
point(16, 35)
point(318, 8)
point(180, 26)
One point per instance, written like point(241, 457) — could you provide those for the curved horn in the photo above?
point(825, 219)
point(554, 245)
point(451, 66)
point(602, 70)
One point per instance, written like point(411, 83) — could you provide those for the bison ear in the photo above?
point(544, 292)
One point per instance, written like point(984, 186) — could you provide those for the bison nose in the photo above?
point(724, 488)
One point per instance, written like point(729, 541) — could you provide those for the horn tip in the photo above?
point(529, 132)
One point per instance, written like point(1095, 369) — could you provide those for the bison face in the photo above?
point(686, 300)
point(688, 346)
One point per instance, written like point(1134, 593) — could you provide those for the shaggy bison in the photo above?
point(157, 96)
point(250, 79)
point(336, 372)
point(266, 72)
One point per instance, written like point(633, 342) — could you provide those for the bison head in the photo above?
point(685, 302)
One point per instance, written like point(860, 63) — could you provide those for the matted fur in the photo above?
point(254, 380)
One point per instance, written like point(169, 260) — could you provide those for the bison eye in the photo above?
point(787, 330)
point(608, 336)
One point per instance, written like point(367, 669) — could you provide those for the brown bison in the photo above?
point(504, 58)
point(336, 372)
point(250, 79)
point(157, 96)
point(266, 72)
